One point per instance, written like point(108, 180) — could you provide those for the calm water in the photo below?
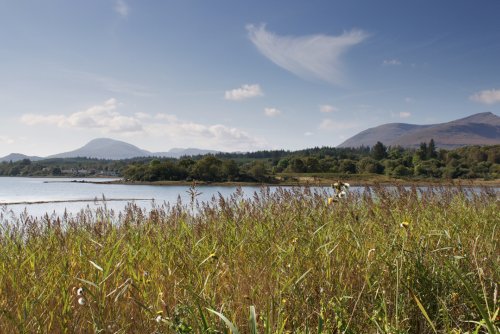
point(38, 196)
point(18, 194)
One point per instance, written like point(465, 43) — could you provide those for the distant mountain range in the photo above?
point(106, 148)
point(18, 156)
point(478, 129)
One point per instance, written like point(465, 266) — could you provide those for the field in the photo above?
point(388, 260)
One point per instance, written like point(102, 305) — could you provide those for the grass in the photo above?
point(279, 262)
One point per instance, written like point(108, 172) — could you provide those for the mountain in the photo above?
point(179, 152)
point(18, 156)
point(105, 148)
point(478, 129)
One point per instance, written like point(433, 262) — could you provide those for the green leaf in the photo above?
point(422, 309)
point(491, 328)
point(253, 320)
point(229, 324)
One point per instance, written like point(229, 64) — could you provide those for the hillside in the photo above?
point(478, 129)
point(18, 156)
point(105, 148)
point(110, 149)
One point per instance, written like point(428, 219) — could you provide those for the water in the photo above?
point(39, 196)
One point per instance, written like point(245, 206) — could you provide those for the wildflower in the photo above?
point(342, 194)
point(79, 292)
point(81, 301)
point(330, 200)
point(404, 224)
point(158, 318)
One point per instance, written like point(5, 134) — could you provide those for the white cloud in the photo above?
point(142, 115)
point(121, 8)
point(308, 134)
point(106, 118)
point(409, 100)
point(244, 92)
point(6, 140)
point(272, 112)
point(103, 116)
point(309, 57)
point(404, 114)
point(490, 96)
point(326, 108)
point(329, 124)
point(215, 136)
point(392, 62)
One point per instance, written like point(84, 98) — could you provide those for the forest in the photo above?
point(425, 162)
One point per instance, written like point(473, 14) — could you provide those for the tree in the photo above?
point(370, 165)
point(207, 169)
point(421, 153)
point(258, 171)
point(312, 165)
point(348, 166)
point(379, 151)
point(230, 170)
point(431, 150)
point(297, 165)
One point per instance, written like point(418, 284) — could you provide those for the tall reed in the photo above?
point(384, 260)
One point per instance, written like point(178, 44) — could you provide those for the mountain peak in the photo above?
point(483, 117)
point(105, 148)
point(478, 129)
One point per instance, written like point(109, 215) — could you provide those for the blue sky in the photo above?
point(238, 75)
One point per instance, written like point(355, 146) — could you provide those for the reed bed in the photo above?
point(384, 260)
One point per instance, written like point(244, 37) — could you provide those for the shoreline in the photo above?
point(297, 181)
point(316, 183)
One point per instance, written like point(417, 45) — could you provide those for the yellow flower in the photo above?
point(405, 224)
point(330, 200)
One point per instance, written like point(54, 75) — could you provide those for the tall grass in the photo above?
point(380, 261)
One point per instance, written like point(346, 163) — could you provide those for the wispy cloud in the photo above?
point(326, 108)
point(308, 134)
point(490, 96)
point(106, 118)
point(272, 112)
point(309, 57)
point(103, 117)
point(391, 62)
point(121, 8)
point(244, 92)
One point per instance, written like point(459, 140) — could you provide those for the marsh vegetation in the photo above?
point(396, 260)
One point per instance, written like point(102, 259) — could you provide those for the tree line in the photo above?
point(426, 161)
point(264, 166)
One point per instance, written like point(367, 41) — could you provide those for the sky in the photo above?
point(235, 75)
